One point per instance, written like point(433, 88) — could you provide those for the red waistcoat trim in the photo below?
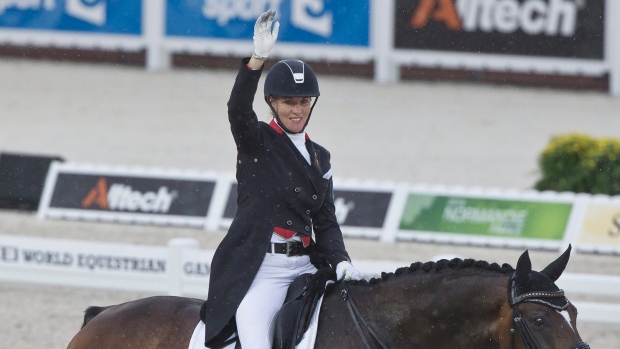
point(287, 234)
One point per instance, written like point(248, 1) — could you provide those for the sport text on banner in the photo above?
point(301, 21)
point(90, 16)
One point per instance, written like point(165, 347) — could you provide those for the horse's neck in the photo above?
point(438, 304)
point(418, 290)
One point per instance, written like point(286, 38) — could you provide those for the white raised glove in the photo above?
point(346, 271)
point(264, 36)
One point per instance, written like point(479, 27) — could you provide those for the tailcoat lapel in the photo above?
point(314, 169)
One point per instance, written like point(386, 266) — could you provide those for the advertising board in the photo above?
point(600, 230)
point(485, 217)
point(355, 208)
point(87, 257)
point(301, 21)
point(549, 28)
point(179, 268)
point(133, 195)
point(89, 16)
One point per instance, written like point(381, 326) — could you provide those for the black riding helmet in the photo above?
point(291, 78)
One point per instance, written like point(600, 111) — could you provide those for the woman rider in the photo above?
point(285, 194)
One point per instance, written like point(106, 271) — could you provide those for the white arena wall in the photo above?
point(385, 211)
point(379, 49)
point(182, 269)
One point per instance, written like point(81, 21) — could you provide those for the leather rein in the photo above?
point(517, 317)
point(357, 318)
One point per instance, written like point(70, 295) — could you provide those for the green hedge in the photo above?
point(580, 164)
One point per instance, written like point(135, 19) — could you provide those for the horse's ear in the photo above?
point(555, 269)
point(524, 267)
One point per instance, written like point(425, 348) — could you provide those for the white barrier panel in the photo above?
point(354, 31)
point(177, 269)
point(384, 211)
point(183, 269)
point(84, 264)
point(598, 227)
point(132, 195)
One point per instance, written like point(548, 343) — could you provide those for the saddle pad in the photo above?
point(307, 342)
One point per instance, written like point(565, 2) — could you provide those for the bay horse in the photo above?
point(443, 304)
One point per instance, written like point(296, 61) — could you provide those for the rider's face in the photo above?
point(292, 111)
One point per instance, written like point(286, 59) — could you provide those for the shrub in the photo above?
point(580, 164)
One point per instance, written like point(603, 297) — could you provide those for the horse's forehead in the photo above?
point(539, 282)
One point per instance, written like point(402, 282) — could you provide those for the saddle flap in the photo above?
point(298, 287)
point(293, 319)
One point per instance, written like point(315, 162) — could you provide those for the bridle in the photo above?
point(357, 318)
point(514, 300)
point(541, 297)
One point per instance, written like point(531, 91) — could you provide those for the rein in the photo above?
point(517, 318)
point(357, 318)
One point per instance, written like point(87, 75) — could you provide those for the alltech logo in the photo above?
point(551, 28)
point(533, 17)
point(121, 197)
point(133, 194)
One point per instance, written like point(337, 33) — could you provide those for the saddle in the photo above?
point(292, 320)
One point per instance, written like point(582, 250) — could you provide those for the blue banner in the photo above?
point(92, 16)
point(343, 22)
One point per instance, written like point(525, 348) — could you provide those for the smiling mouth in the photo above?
point(295, 119)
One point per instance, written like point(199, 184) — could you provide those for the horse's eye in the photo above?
point(538, 321)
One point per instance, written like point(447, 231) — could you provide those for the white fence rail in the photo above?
point(182, 268)
point(380, 50)
point(384, 211)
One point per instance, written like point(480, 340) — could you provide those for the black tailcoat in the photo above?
point(277, 188)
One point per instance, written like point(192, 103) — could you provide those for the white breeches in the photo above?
point(265, 297)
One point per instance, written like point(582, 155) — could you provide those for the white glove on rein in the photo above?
point(264, 37)
point(346, 271)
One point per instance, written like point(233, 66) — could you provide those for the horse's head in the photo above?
point(542, 316)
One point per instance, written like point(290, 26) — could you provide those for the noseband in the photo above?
point(535, 297)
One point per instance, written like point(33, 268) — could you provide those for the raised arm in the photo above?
point(243, 120)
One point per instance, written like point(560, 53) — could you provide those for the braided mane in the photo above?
point(455, 263)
